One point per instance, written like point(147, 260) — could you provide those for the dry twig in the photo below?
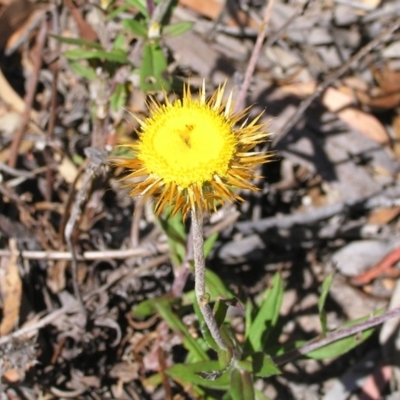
point(251, 66)
point(30, 96)
point(95, 164)
point(388, 198)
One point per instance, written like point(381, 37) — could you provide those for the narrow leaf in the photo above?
point(116, 55)
point(267, 315)
point(260, 364)
point(137, 28)
point(175, 231)
point(174, 228)
point(119, 97)
point(209, 243)
point(153, 71)
point(85, 72)
point(205, 374)
point(178, 28)
point(78, 42)
point(216, 287)
point(117, 11)
point(220, 310)
point(176, 324)
point(139, 5)
point(341, 346)
point(120, 43)
point(241, 385)
point(326, 285)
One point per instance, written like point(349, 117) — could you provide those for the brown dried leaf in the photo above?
point(383, 216)
point(387, 95)
point(12, 375)
point(338, 102)
point(388, 80)
point(68, 170)
point(385, 101)
point(12, 17)
point(12, 98)
point(207, 8)
point(300, 89)
point(213, 8)
point(55, 278)
point(370, 3)
point(124, 371)
point(25, 30)
point(10, 289)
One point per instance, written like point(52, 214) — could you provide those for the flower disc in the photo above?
point(187, 145)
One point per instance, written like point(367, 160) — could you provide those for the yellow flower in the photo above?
point(190, 154)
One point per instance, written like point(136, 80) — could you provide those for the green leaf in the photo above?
point(241, 385)
point(260, 395)
point(119, 97)
point(342, 346)
point(281, 349)
point(120, 43)
point(139, 5)
point(178, 28)
point(260, 364)
point(136, 27)
point(163, 306)
point(225, 358)
point(216, 287)
point(115, 55)
point(117, 11)
point(205, 374)
point(209, 243)
point(147, 308)
point(220, 309)
point(79, 42)
point(153, 71)
point(267, 316)
point(174, 228)
point(157, 379)
point(326, 285)
point(85, 72)
point(249, 312)
point(175, 231)
point(175, 323)
point(205, 332)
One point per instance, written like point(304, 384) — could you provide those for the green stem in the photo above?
point(200, 279)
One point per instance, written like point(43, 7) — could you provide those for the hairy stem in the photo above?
point(200, 281)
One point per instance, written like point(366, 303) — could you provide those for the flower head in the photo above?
point(190, 154)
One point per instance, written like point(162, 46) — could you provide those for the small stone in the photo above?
point(344, 15)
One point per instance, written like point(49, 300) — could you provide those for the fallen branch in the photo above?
point(388, 198)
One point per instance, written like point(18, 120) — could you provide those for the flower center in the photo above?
point(187, 144)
